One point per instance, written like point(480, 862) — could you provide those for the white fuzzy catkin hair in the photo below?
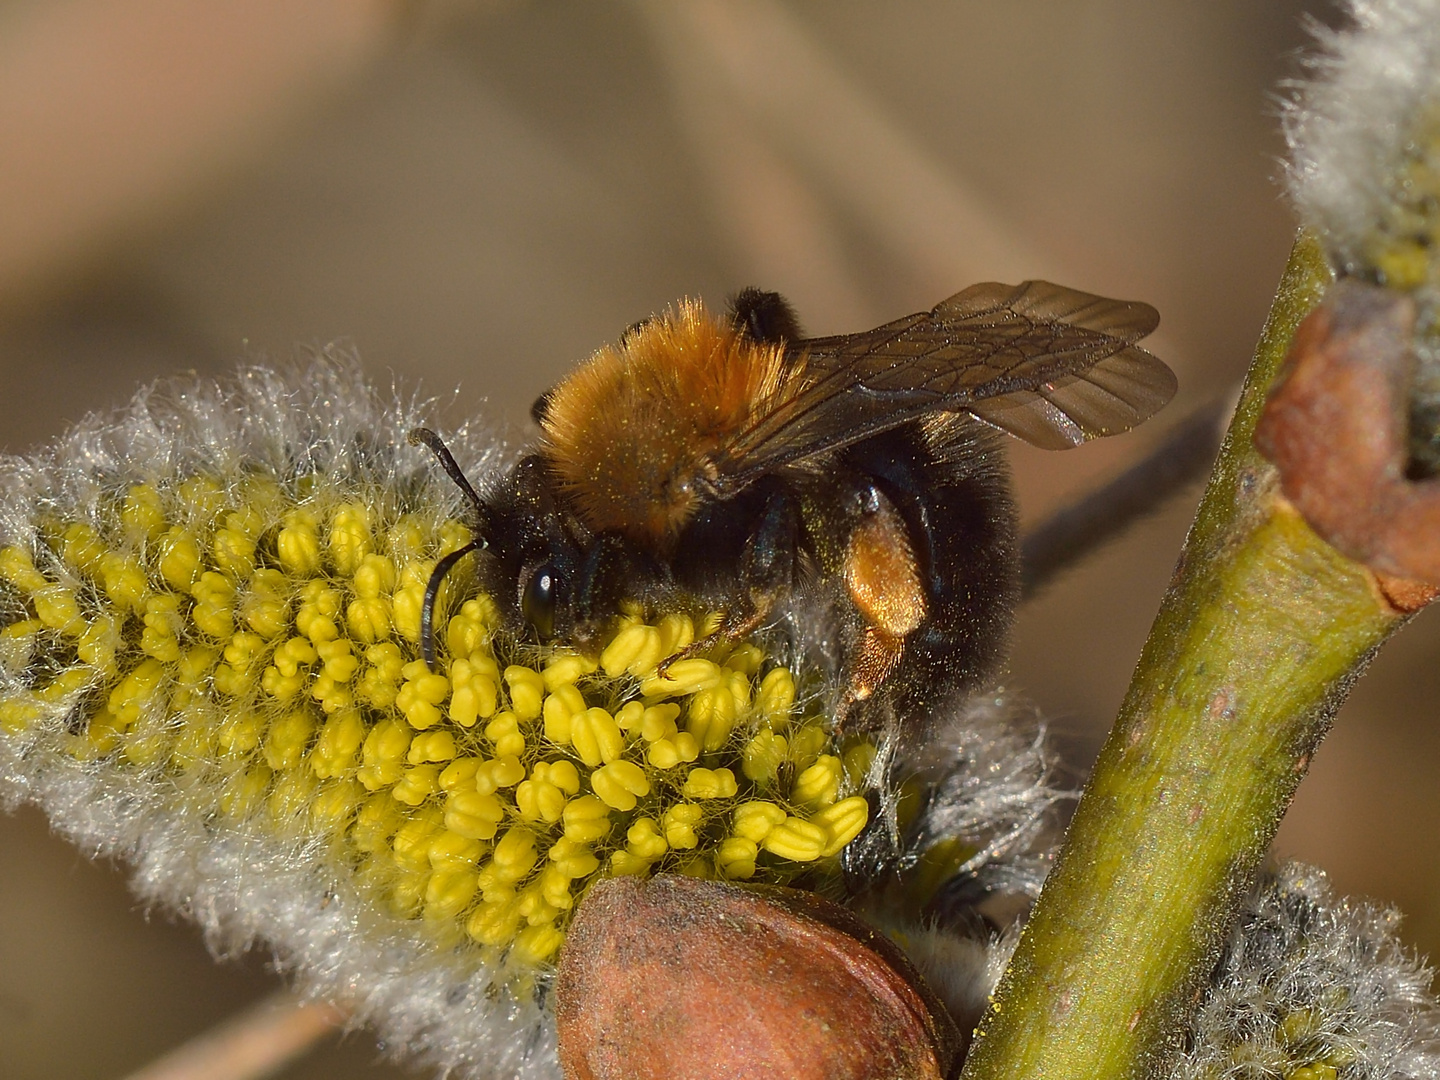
point(1349, 121)
point(242, 885)
point(1310, 979)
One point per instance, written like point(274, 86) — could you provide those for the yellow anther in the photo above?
point(233, 550)
point(421, 695)
point(280, 686)
point(560, 710)
point(407, 893)
point(806, 743)
point(629, 717)
point(292, 655)
point(573, 858)
point(468, 632)
point(380, 683)
point(340, 739)
point(448, 892)
point(266, 608)
point(711, 716)
point(289, 801)
point(476, 692)
point(368, 619)
point(564, 669)
point(762, 756)
point(735, 858)
point(451, 851)
point(17, 568)
point(239, 733)
point(375, 576)
point(562, 774)
point(540, 800)
point(125, 582)
point(858, 760)
point(436, 746)
point(677, 749)
point(473, 815)
point(376, 821)
point(643, 839)
point(819, 785)
point(709, 784)
point(680, 822)
point(628, 864)
point(502, 772)
point(136, 692)
point(555, 888)
point(636, 649)
point(80, 546)
point(317, 621)
point(163, 625)
point(97, 643)
point(587, 819)
point(683, 677)
point(287, 739)
point(596, 737)
point(745, 659)
point(494, 922)
point(776, 698)
point(618, 784)
point(536, 944)
point(242, 792)
point(298, 542)
point(340, 664)
point(57, 607)
point(214, 612)
point(334, 805)
point(505, 735)
point(843, 822)
point(658, 722)
point(350, 539)
point(797, 840)
point(677, 631)
point(142, 512)
point(383, 755)
point(411, 844)
point(754, 820)
point(177, 557)
point(201, 499)
point(459, 775)
point(408, 600)
point(527, 691)
point(514, 855)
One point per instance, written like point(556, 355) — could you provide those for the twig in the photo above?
point(253, 1044)
point(1256, 645)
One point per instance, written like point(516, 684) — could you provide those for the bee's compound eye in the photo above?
point(539, 600)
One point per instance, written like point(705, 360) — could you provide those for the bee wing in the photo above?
point(1050, 365)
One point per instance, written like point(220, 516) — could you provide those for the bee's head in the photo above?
point(534, 558)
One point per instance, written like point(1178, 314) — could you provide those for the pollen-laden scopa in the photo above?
point(234, 641)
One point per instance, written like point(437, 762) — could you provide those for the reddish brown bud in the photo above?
point(675, 978)
point(1336, 429)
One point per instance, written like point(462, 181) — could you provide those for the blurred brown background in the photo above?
point(477, 194)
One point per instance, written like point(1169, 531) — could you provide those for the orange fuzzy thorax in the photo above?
point(634, 428)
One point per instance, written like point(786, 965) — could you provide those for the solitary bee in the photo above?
point(735, 462)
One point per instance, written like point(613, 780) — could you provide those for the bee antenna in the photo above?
point(432, 591)
point(436, 445)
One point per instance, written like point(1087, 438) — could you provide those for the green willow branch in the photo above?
point(1263, 631)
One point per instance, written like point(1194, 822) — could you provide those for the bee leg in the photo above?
point(767, 571)
point(882, 576)
point(610, 563)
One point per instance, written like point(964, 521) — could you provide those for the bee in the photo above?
point(731, 461)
